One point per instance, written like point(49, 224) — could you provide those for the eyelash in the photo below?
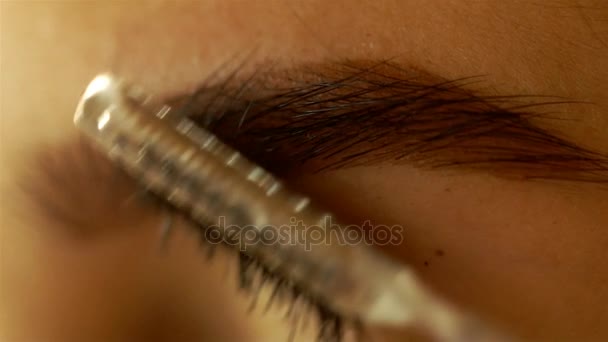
point(253, 276)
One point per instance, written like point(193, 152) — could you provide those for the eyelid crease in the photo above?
point(330, 116)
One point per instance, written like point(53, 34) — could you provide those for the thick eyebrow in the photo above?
point(336, 115)
point(319, 118)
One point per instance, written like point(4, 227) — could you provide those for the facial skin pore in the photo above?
point(526, 255)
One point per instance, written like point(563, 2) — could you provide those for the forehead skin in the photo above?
point(529, 255)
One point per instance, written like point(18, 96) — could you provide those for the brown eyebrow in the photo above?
point(336, 115)
point(322, 118)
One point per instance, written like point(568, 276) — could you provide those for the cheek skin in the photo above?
point(126, 287)
point(109, 285)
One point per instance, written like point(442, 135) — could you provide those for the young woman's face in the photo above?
point(528, 255)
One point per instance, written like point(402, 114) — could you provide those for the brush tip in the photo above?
point(100, 94)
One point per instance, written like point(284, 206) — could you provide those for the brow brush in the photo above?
point(194, 172)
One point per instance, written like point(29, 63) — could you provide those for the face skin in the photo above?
point(528, 256)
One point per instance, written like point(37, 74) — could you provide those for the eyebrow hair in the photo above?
point(323, 118)
point(353, 113)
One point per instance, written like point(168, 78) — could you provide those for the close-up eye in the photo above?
point(304, 171)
